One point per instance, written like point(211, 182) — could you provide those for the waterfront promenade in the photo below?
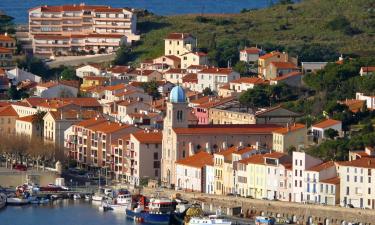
point(299, 213)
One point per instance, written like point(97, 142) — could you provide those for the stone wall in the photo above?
point(15, 178)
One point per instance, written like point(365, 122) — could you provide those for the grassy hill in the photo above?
point(328, 27)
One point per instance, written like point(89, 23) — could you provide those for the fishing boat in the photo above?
point(261, 220)
point(76, 196)
point(158, 211)
point(17, 201)
point(88, 197)
point(3, 200)
point(118, 204)
point(211, 219)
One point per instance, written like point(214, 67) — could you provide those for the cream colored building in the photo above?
point(27, 127)
point(193, 58)
point(178, 44)
point(264, 62)
point(90, 70)
point(175, 76)
point(181, 139)
point(290, 136)
point(8, 118)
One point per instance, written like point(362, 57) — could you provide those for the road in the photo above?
point(78, 60)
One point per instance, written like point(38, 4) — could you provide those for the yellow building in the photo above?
point(193, 58)
point(292, 135)
point(8, 118)
point(264, 62)
point(92, 81)
point(179, 43)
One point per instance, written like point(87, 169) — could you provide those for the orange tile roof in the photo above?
point(148, 137)
point(260, 158)
point(74, 114)
point(252, 50)
point(28, 119)
point(216, 70)
point(120, 69)
point(269, 55)
point(284, 65)
point(288, 129)
point(333, 180)
point(228, 129)
point(287, 76)
point(115, 87)
point(216, 102)
point(196, 67)
point(322, 166)
point(178, 36)
point(8, 111)
point(173, 57)
point(141, 72)
point(6, 38)
point(201, 100)
point(190, 78)
point(327, 123)
point(368, 69)
point(364, 162)
point(249, 80)
point(197, 160)
point(109, 127)
point(228, 151)
point(91, 122)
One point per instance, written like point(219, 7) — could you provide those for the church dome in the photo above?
point(177, 95)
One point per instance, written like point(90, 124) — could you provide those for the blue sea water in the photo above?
point(67, 212)
point(18, 8)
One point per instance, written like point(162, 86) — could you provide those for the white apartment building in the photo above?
point(214, 78)
point(178, 44)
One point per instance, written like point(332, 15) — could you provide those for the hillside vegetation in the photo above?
point(312, 29)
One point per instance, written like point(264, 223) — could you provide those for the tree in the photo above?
point(207, 91)
point(151, 88)
point(34, 65)
point(68, 73)
point(256, 97)
point(38, 120)
point(331, 133)
point(242, 67)
point(123, 55)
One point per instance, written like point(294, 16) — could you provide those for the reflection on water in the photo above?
point(61, 212)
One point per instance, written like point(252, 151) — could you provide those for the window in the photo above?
point(156, 155)
point(369, 191)
point(369, 180)
point(347, 190)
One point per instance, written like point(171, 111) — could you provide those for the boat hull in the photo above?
point(17, 201)
point(147, 217)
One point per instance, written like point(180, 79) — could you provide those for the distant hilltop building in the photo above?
point(67, 28)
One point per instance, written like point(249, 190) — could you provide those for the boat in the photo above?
point(159, 211)
point(76, 196)
point(39, 200)
point(3, 200)
point(262, 220)
point(211, 219)
point(118, 204)
point(17, 201)
point(88, 197)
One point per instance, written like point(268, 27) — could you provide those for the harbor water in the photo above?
point(66, 212)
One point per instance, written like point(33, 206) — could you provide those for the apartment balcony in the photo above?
point(102, 43)
point(71, 24)
point(112, 26)
point(66, 45)
point(112, 19)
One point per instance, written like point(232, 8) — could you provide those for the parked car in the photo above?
point(20, 167)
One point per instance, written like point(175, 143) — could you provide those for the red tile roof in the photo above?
point(173, 57)
point(269, 55)
point(196, 67)
point(290, 128)
point(284, 65)
point(148, 137)
point(190, 78)
point(249, 80)
point(120, 69)
point(178, 36)
point(228, 129)
point(216, 102)
point(216, 70)
point(6, 38)
point(333, 180)
point(322, 166)
point(109, 127)
point(28, 119)
point(8, 111)
point(327, 123)
point(142, 72)
point(90, 122)
point(287, 76)
point(197, 160)
point(201, 100)
point(74, 114)
point(115, 87)
point(5, 50)
point(362, 162)
point(252, 50)
point(368, 69)
point(260, 158)
point(78, 7)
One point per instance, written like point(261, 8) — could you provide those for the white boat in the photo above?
point(17, 201)
point(98, 197)
point(76, 196)
point(3, 200)
point(88, 197)
point(39, 200)
point(212, 219)
point(118, 204)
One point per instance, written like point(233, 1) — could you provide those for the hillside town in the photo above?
point(180, 120)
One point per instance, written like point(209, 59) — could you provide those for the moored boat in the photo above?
point(262, 220)
point(159, 211)
point(212, 219)
point(17, 201)
point(118, 204)
point(3, 200)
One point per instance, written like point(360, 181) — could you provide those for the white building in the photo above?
point(250, 55)
point(370, 100)
point(193, 58)
point(17, 75)
point(179, 43)
point(318, 129)
point(301, 162)
point(90, 70)
point(191, 172)
point(214, 78)
point(357, 179)
point(57, 89)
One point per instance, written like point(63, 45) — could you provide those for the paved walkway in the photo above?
point(78, 60)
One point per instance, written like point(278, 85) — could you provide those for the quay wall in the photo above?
point(298, 213)
point(16, 178)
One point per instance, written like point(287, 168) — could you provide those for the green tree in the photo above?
point(151, 88)
point(34, 65)
point(68, 73)
point(123, 55)
point(7, 24)
point(256, 97)
point(242, 68)
point(207, 91)
point(331, 133)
